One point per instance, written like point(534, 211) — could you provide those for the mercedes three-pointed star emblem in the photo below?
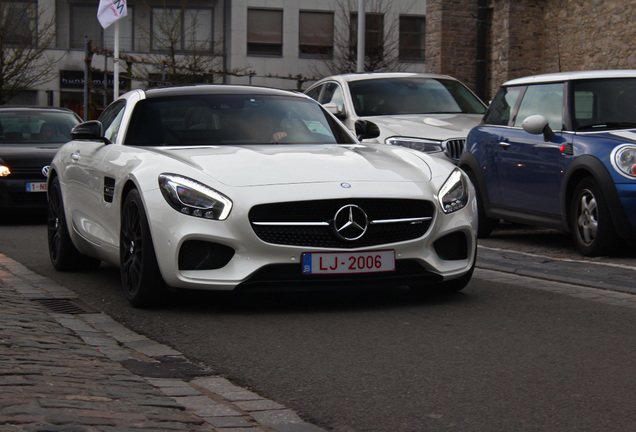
point(350, 222)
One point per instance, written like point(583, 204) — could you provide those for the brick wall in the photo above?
point(528, 37)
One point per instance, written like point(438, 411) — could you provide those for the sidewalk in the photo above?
point(64, 368)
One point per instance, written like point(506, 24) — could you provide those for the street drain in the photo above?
point(67, 306)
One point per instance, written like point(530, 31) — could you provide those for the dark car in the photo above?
point(559, 151)
point(29, 138)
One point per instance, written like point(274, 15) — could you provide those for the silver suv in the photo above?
point(426, 112)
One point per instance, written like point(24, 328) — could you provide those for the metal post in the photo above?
point(361, 32)
point(85, 78)
point(116, 63)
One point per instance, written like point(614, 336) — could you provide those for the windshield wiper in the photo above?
point(609, 125)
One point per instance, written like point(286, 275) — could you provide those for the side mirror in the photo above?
point(336, 110)
point(366, 129)
point(538, 124)
point(90, 130)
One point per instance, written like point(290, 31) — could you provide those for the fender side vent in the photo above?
point(66, 306)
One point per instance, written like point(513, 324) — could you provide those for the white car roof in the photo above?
point(575, 75)
point(375, 75)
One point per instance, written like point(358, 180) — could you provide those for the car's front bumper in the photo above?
point(445, 251)
point(15, 196)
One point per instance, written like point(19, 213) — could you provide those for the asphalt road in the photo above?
point(495, 357)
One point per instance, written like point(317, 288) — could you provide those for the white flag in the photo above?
point(110, 11)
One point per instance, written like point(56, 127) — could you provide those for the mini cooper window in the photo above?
point(232, 119)
point(547, 100)
point(501, 107)
point(604, 104)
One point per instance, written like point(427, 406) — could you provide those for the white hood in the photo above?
point(290, 164)
point(430, 126)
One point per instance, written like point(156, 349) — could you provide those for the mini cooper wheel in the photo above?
point(142, 282)
point(63, 254)
point(590, 220)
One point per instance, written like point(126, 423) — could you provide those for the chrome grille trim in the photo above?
point(310, 223)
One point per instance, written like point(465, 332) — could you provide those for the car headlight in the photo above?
point(624, 160)
point(421, 144)
point(4, 171)
point(193, 198)
point(453, 195)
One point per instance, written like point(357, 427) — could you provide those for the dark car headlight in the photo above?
point(4, 169)
point(453, 195)
point(193, 198)
point(420, 144)
point(624, 160)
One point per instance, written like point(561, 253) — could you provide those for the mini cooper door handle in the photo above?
point(75, 156)
point(504, 144)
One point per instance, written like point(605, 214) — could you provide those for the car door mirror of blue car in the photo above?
point(538, 124)
point(90, 130)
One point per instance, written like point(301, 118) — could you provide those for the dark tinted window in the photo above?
point(232, 119)
point(500, 109)
point(36, 126)
point(604, 103)
point(413, 95)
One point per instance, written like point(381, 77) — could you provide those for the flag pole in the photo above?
point(116, 63)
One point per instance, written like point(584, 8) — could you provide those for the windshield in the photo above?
point(412, 95)
point(604, 104)
point(232, 119)
point(33, 126)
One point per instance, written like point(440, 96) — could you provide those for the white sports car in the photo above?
point(238, 188)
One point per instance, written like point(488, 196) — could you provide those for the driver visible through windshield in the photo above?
point(232, 119)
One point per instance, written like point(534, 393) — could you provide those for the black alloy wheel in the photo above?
point(141, 279)
point(63, 254)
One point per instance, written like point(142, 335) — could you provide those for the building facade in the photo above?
point(274, 43)
point(290, 43)
point(487, 42)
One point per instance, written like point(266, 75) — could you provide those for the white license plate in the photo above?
point(36, 187)
point(348, 262)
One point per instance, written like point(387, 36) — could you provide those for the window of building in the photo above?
point(315, 34)
point(84, 23)
point(19, 23)
point(373, 35)
point(182, 29)
point(265, 32)
point(412, 37)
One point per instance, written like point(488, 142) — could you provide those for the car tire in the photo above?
point(485, 225)
point(590, 220)
point(63, 254)
point(141, 279)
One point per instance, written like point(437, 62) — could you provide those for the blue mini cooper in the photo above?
point(559, 151)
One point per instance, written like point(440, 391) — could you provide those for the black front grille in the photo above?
point(455, 147)
point(34, 173)
point(310, 223)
